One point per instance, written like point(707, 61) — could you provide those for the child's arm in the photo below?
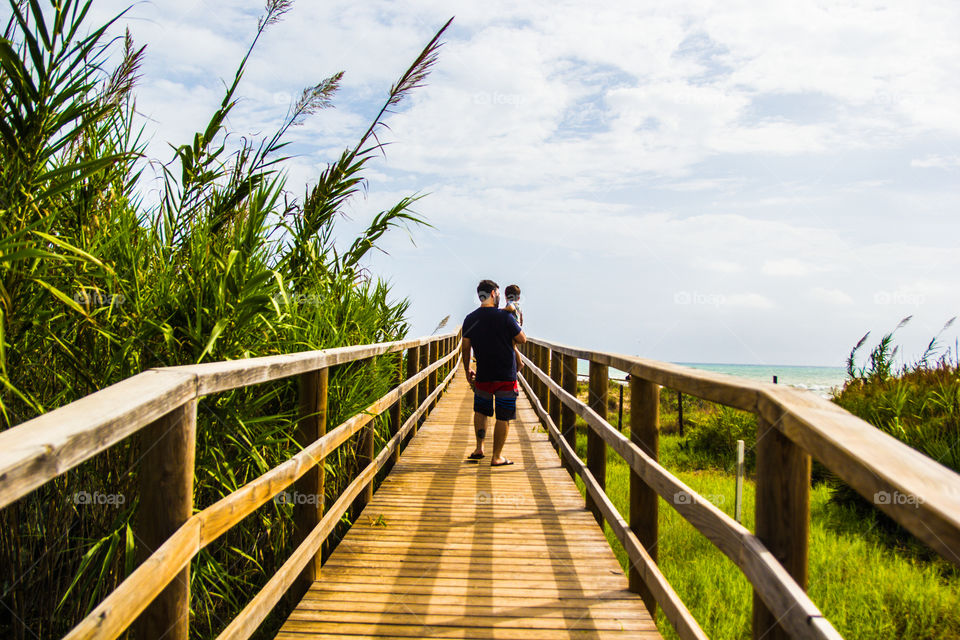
point(516, 354)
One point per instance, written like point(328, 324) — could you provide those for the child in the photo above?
point(513, 307)
point(513, 303)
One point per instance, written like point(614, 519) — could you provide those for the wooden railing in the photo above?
point(792, 426)
point(160, 405)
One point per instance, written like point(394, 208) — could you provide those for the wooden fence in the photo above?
point(792, 427)
point(160, 406)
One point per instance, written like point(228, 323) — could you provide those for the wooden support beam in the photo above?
point(423, 358)
point(308, 492)
point(413, 368)
point(568, 419)
point(645, 433)
point(168, 451)
point(556, 374)
point(396, 410)
point(434, 356)
point(782, 515)
point(596, 447)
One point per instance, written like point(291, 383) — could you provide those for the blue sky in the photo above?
point(689, 181)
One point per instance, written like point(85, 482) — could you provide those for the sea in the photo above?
point(819, 380)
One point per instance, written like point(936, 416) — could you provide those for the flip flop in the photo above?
point(474, 456)
point(501, 464)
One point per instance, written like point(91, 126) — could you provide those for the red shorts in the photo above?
point(494, 387)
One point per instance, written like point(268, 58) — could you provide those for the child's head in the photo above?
point(512, 292)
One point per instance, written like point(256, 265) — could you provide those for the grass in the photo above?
point(866, 587)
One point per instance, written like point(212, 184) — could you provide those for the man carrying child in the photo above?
point(492, 334)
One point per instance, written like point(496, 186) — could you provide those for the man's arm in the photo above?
point(465, 356)
point(520, 338)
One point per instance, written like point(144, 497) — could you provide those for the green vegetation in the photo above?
point(870, 578)
point(866, 589)
point(98, 283)
point(918, 404)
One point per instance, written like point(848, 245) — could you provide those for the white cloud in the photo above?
point(635, 150)
point(830, 296)
point(936, 162)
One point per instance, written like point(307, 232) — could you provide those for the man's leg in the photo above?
point(499, 438)
point(506, 411)
point(480, 430)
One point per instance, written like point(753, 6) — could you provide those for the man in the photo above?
point(492, 333)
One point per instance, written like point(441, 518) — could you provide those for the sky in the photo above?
point(734, 182)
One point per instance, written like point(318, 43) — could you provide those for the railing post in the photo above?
point(535, 358)
point(568, 419)
point(423, 353)
point(413, 362)
point(544, 367)
point(168, 449)
point(365, 455)
point(596, 447)
point(308, 491)
point(434, 379)
point(782, 514)
point(556, 374)
point(396, 419)
point(645, 433)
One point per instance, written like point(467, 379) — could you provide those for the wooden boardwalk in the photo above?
point(450, 548)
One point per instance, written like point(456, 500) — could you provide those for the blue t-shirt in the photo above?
point(491, 332)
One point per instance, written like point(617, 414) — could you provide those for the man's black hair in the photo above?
point(487, 286)
point(511, 290)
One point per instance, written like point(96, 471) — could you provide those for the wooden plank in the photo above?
point(644, 502)
point(396, 410)
point(676, 612)
point(556, 373)
point(168, 451)
point(309, 490)
point(473, 551)
point(434, 356)
point(568, 418)
point(782, 515)
point(116, 612)
point(111, 617)
point(215, 377)
point(37, 451)
point(914, 490)
point(596, 447)
point(413, 367)
point(716, 387)
point(777, 588)
point(254, 613)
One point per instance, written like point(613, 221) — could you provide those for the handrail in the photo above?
point(118, 610)
point(162, 402)
point(37, 451)
point(779, 590)
point(869, 460)
point(860, 454)
point(676, 612)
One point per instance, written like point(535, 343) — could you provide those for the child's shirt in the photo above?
point(515, 312)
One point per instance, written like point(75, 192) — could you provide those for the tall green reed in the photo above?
point(96, 285)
